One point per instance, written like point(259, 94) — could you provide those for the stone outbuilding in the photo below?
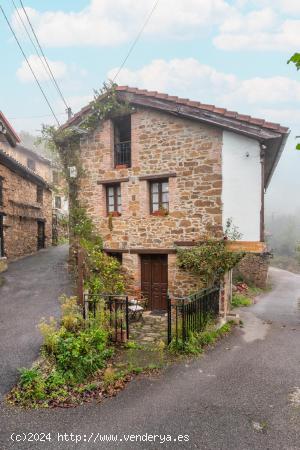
point(167, 175)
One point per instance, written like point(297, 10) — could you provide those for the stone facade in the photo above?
point(188, 154)
point(254, 269)
point(21, 212)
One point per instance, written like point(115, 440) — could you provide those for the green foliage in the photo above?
point(209, 260)
point(295, 59)
point(104, 105)
point(81, 354)
point(196, 342)
point(32, 383)
point(240, 300)
point(104, 272)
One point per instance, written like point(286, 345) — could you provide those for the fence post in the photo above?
point(169, 319)
point(183, 321)
point(80, 276)
point(127, 319)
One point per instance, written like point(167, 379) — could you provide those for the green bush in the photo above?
point(79, 355)
point(32, 384)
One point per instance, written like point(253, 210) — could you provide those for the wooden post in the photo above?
point(80, 273)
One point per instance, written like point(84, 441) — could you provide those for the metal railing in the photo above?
point(188, 315)
point(123, 153)
point(114, 311)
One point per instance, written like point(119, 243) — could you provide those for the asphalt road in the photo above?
point(32, 287)
point(240, 395)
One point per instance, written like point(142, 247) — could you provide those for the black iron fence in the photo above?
point(112, 310)
point(190, 314)
point(123, 153)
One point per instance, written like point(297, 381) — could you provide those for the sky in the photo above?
point(231, 53)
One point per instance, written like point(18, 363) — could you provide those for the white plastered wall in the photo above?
point(241, 190)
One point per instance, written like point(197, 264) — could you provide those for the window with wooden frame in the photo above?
point(39, 194)
point(159, 196)
point(58, 202)
point(113, 199)
point(30, 164)
point(1, 191)
point(122, 141)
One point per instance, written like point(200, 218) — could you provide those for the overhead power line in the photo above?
point(30, 38)
point(45, 59)
point(137, 38)
point(29, 65)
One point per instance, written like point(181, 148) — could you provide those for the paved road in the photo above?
point(237, 396)
point(31, 291)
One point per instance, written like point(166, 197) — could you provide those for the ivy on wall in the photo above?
point(103, 273)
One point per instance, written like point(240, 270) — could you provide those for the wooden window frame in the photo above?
point(115, 187)
point(39, 194)
point(1, 191)
point(31, 164)
point(60, 202)
point(159, 181)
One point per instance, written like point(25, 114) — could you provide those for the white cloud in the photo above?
point(177, 75)
point(252, 22)
point(59, 69)
point(274, 96)
point(269, 28)
point(107, 23)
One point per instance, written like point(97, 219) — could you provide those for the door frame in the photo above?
point(41, 222)
point(1, 236)
point(151, 258)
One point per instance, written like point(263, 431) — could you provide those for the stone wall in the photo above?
point(161, 144)
point(42, 168)
point(21, 214)
point(254, 269)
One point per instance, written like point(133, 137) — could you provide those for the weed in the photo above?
point(240, 300)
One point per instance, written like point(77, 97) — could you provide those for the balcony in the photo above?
point(123, 154)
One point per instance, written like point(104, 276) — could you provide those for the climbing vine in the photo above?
point(103, 272)
point(209, 260)
point(64, 144)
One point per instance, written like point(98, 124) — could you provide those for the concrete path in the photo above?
point(31, 289)
point(242, 395)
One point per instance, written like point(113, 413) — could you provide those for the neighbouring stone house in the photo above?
point(46, 169)
point(169, 174)
point(25, 202)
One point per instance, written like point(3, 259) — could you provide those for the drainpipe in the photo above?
point(262, 209)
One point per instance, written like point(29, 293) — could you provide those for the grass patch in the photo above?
point(240, 300)
point(197, 342)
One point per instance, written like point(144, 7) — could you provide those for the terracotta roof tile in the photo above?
point(195, 104)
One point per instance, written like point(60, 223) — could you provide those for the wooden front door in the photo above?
point(154, 280)
point(41, 235)
point(1, 236)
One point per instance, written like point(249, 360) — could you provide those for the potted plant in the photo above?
point(115, 214)
point(121, 166)
point(160, 212)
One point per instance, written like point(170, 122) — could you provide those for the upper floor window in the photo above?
point(122, 141)
point(30, 164)
point(58, 202)
point(159, 196)
point(1, 191)
point(113, 199)
point(55, 177)
point(39, 194)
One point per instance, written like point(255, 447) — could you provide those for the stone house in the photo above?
point(46, 169)
point(25, 203)
point(169, 174)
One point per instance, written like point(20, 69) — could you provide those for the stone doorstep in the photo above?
point(3, 264)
